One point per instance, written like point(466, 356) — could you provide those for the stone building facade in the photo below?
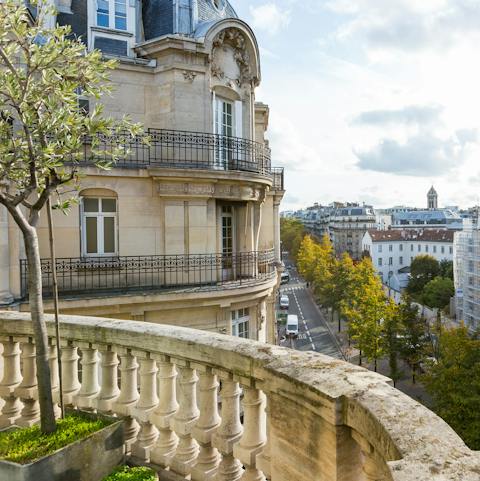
point(183, 231)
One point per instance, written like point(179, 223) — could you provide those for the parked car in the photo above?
point(284, 302)
point(292, 325)
point(284, 278)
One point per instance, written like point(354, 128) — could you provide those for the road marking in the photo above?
point(304, 321)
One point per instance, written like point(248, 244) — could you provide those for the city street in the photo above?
point(314, 333)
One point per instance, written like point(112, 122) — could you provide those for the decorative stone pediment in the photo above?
point(230, 63)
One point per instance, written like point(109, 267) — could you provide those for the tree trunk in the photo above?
point(375, 364)
point(414, 369)
point(47, 416)
point(360, 358)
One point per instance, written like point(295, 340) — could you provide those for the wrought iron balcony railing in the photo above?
point(95, 275)
point(278, 178)
point(183, 150)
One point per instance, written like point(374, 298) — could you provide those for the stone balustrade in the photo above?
point(212, 407)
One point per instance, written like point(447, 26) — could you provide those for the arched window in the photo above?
point(99, 226)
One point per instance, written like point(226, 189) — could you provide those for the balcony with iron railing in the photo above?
point(133, 274)
point(208, 406)
point(176, 149)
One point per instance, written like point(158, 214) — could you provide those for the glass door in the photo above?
point(225, 129)
point(228, 244)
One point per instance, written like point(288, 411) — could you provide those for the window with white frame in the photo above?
point(379, 247)
point(241, 322)
point(99, 226)
point(112, 14)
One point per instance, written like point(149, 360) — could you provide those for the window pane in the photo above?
point(109, 205)
point(91, 235)
point(120, 23)
point(102, 13)
point(90, 205)
point(109, 235)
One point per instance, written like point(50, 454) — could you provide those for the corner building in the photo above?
point(185, 230)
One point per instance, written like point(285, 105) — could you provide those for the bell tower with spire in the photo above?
point(432, 199)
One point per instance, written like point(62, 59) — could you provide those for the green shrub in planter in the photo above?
point(125, 473)
point(28, 444)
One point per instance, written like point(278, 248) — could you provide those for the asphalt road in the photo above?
point(314, 333)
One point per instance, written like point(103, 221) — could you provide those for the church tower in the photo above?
point(432, 199)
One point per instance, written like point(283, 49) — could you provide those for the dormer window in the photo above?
point(112, 14)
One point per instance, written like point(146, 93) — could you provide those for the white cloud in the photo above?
point(269, 18)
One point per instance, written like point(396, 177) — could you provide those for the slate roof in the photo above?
point(426, 215)
point(422, 235)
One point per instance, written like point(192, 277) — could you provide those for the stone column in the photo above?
point(70, 383)
point(254, 433)
point(12, 377)
point(208, 422)
point(109, 390)
point(147, 402)
point(54, 376)
point(27, 390)
point(162, 416)
point(229, 431)
point(86, 397)
point(184, 420)
point(126, 401)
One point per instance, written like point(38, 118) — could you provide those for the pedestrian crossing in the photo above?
point(286, 290)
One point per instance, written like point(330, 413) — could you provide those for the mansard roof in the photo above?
point(190, 17)
point(408, 235)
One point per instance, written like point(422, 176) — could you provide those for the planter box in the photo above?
point(89, 459)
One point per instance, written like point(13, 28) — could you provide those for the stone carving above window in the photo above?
point(230, 59)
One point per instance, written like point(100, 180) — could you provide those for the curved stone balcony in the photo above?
point(177, 149)
point(208, 406)
point(130, 274)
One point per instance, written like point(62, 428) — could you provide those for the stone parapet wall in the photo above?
point(306, 416)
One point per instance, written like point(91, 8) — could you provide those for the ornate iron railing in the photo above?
point(183, 150)
point(278, 178)
point(94, 275)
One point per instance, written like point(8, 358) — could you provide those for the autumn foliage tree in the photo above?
point(42, 69)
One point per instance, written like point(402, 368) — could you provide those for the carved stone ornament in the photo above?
point(189, 76)
point(234, 39)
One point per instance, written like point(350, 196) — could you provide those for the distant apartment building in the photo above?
point(184, 230)
point(392, 251)
point(467, 274)
point(347, 227)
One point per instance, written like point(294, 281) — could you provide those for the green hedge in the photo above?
point(125, 473)
point(28, 444)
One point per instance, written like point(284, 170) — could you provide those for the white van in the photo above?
point(292, 325)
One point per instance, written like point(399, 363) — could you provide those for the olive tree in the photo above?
point(42, 131)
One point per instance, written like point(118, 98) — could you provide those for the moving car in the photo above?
point(292, 325)
point(284, 302)
point(284, 278)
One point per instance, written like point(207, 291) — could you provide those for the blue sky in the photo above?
point(371, 100)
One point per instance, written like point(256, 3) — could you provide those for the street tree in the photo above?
point(307, 257)
point(393, 331)
point(446, 269)
point(323, 271)
point(414, 331)
point(453, 381)
point(292, 233)
point(438, 292)
point(366, 307)
point(339, 284)
point(423, 269)
point(42, 69)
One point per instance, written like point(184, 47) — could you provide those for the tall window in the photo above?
point(99, 226)
point(401, 247)
point(400, 261)
point(390, 248)
point(241, 323)
point(379, 247)
point(390, 261)
point(380, 260)
point(112, 14)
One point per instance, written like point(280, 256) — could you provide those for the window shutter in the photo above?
point(238, 118)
